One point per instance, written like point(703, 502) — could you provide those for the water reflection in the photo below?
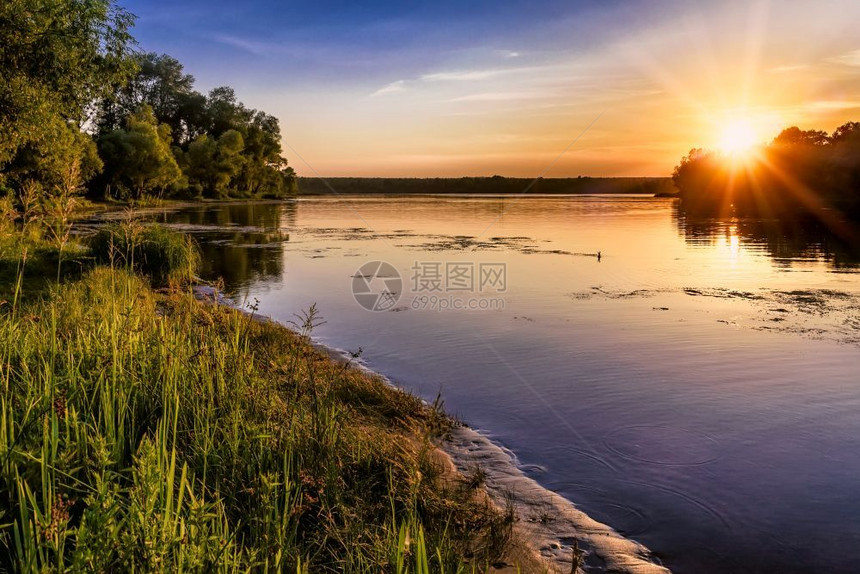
point(263, 215)
point(801, 239)
point(240, 243)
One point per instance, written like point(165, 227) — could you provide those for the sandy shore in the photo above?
point(550, 525)
point(550, 530)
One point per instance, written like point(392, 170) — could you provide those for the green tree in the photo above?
point(139, 157)
point(261, 171)
point(193, 116)
point(49, 165)
point(225, 111)
point(222, 147)
point(56, 58)
point(210, 164)
point(160, 82)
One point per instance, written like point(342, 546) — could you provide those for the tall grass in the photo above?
point(149, 432)
point(152, 250)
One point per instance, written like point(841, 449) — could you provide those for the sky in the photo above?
point(539, 88)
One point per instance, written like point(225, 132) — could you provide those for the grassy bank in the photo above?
point(143, 430)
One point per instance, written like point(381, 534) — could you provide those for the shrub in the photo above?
point(165, 256)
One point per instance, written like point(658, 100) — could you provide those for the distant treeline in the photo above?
point(800, 172)
point(82, 112)
point(483, 185)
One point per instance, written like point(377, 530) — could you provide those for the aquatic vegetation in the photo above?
point(165, 256)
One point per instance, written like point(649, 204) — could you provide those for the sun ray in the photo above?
point(737, 137)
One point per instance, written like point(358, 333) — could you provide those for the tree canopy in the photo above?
point(138, 157)
point(223, 147)
point(800, 171)
point(56, 59)
point(73, 92)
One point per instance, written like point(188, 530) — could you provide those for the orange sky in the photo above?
point(652, 84)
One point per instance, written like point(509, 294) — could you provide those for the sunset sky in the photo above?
point(454, 88)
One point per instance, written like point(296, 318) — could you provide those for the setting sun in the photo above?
point(737, 137)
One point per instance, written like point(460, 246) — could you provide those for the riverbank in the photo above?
point(549, 532)
point(506, 521)
point(548, 522)
point(549, 529)
point(144, 430)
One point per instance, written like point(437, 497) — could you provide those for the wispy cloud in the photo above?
point(453, 76)
point(788, 68)
point(828, 105)
point(849, 58)
point(498, 97)
point(255, 47)
point(392, 88)
point(462, 75)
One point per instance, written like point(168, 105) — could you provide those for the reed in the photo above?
point(152, 250)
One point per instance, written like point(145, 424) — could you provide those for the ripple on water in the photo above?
point(663, 445)
point(625, 518)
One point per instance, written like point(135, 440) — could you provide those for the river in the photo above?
point(692, 383)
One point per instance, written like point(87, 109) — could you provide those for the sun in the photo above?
point(737, 137)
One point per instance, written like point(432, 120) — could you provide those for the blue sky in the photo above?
point(372, 41)
point(476, 88)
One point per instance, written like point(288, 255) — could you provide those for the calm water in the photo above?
point(696, 387)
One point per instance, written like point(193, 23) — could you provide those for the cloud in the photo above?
point(254, 47)
point(848, 58)
point(444, 77)
point(788, 68)
point(461, 76)
point(828, 105)
point(392, 88)
point(498, 97)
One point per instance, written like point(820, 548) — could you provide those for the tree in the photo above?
point(688, 173)
point(139, 157)
point(193, 116)
point(845, 132)
point(263, 155)
point(222, 147)
point(160, 83)
point(801, 172)
point(844, 163)
point(225, 111)
point(795, 136)
point(69, 148)
point(56, 58)
point(211, 164)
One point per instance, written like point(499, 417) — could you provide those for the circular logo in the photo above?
point(377, 286)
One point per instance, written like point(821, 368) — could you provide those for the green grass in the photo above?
point(149, 432)
point(153, 250)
